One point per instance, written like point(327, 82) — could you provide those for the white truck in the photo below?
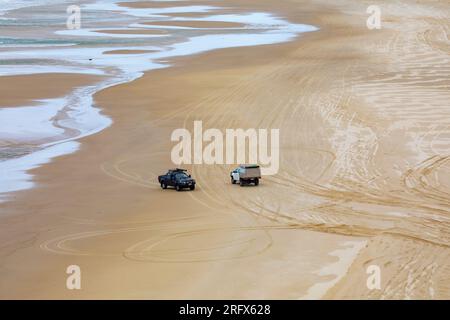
point(246, 174)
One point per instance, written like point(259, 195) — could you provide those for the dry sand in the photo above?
point(365, 134)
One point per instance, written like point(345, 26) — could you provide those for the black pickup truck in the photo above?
point(177, 178)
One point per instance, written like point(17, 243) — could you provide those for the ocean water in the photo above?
point(34, 39)
point(9, 5)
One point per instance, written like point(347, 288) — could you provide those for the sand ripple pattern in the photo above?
point(363, 152)
point(366, 154)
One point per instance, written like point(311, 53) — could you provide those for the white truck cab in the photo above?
point(246, 174)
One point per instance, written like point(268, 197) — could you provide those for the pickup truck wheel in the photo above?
point(241, 183)
point(256, 181)
point(177, 187)
point(233, 181)
point(163, 185)
point(192, 187)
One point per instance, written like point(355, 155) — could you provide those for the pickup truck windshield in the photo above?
point(181, 176)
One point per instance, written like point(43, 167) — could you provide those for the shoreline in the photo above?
point(145, 58)
point(106, 213)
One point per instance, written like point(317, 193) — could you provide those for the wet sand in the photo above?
point(23, 90)
point(135, 31)
point(363, 118)
point(128, 51)
point(195, 24)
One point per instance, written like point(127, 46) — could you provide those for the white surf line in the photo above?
point(254, 19)
point(337, 269)
point(15, 70)
point(15, 174)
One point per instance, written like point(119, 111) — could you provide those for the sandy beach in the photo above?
point(42, 86)
point(364, 121)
